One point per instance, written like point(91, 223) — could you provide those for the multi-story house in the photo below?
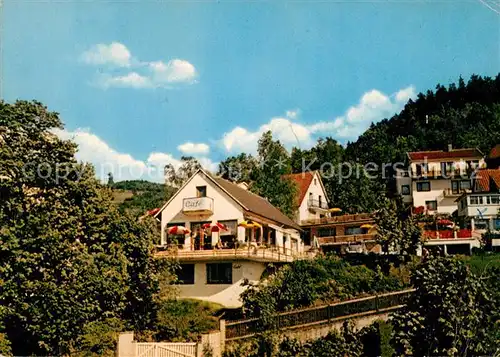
point(213, 261)
point(439, 177)
point(325, 225)
point(312, 199)
point(482, 205)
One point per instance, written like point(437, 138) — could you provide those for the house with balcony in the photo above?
point(312, 200)
point(482, 205)
point(215, 261)
point(439, 177)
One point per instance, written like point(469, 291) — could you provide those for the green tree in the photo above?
point(69, 258)
point(397, 230)
point(451, 313)
point(241, 168)
point(177, 177)
point(273, 164)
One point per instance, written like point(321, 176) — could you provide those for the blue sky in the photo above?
point(142, 83)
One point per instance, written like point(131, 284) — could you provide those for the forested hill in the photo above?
point(139, 196)
point(462, 114)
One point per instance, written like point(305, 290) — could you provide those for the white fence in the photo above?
point(166, 349)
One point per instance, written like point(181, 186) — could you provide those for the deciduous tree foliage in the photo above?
point(452, 313)
point(462, 114)
point(68, 257)
point(397, 229)
point(273, 163)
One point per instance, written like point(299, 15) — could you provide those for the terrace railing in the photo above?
point(321, 314)
point(339, 219)
point(251, 252)
point(346, 239)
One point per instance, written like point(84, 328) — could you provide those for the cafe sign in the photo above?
point(197, 205)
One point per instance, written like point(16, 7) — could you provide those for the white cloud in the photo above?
point(292, 114)
point(145, 74)
point(130, 80)
point(372, 107)
point(190, 148)
point(124, 166)
point(113, 54)
point(174, 71)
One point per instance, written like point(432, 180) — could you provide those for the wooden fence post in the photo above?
point(222, 329)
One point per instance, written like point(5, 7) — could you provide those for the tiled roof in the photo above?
point(485, 176)
point(303, 181)
point(254, 203)
point(440, 154)
point(495, 152)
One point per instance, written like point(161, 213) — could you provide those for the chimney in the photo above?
point(450, 147)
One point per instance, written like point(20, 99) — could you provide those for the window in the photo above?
point(220, 273)
point(326, 232)
point(487, 199)
point(319, 201)
point(431, 205)
point(423, 186)
point(201, 191)
point(494, 200)
point(496, 223)
point(405, 190)
point(315, 182)
point(310, 196)
point(352, 230)
point(476, 200)
point(465, 185)
point(185, 274)
point(232, 228)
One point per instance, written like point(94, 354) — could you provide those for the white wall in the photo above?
point(224, 208)
point(224, 294)
point(401, 180)
point(471, 210)
point(316, 190)
point(444, 204)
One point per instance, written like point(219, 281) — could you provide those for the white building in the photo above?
point(312, 199)
point(438, 178)
point(214, 264)
point(483, 204)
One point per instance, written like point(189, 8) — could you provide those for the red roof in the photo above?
point(303, 181)
point(485, 176)
point(440, 154)
point(495, 152)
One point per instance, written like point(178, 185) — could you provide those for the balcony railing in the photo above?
point(448, 192)
point(262, 253)
point(438, 173)
point(335, 240)
point(448, 234)
point(317, 204)
point(338, 219)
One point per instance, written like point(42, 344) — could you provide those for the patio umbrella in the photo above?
point(178, 230)
point(335, 210)
point(214, 227)
point(366, 226)
point(249, 224)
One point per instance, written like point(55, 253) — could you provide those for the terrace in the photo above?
point(346, 218)
point(343, 239)
point(253, 252)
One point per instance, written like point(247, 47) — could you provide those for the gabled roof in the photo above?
point(495, 152)
point(485, 177)
point(249, 201)
point(470, 153)
point(254, 203)
point(303, 180)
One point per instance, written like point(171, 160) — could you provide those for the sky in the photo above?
point(138, 84)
